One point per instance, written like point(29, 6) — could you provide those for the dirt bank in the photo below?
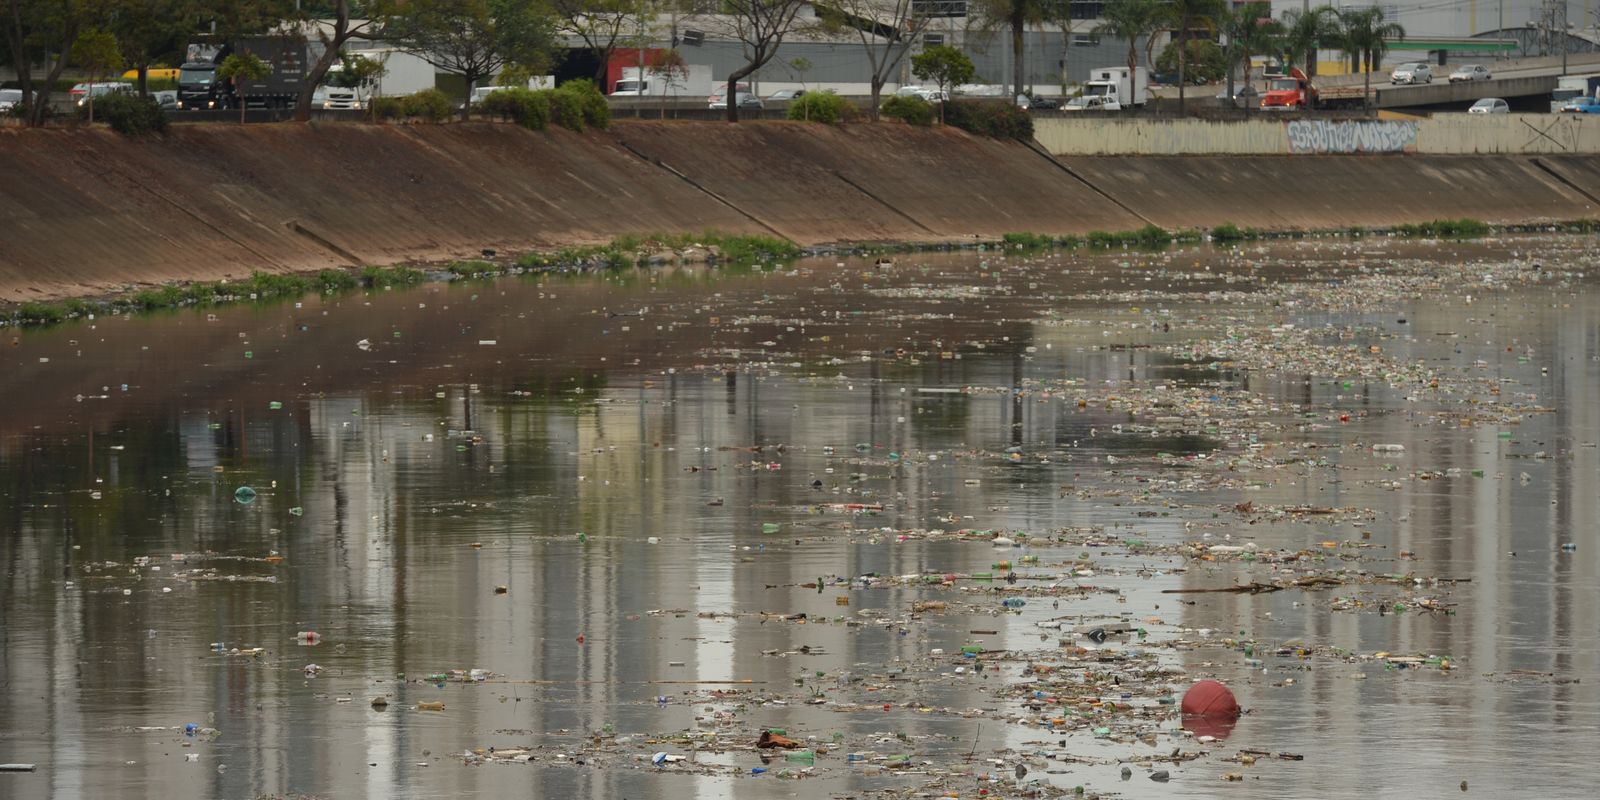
point(83, 212)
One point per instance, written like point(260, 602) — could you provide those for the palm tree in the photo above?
point(1305, 32)
point(1250, 29)
point(1188, 15)
point(1128, 20)
point(1365, 39)
point(1016, 16)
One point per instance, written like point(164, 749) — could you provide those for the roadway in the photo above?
point(1511, 79)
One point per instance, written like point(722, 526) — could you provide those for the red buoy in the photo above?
point(1210, 699)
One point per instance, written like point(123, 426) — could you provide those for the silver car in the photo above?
point(9, 98)
point(1490, 105)
point(1416, 72)
point(1470, 72)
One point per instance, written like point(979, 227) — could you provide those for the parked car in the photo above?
point(9, 98)
point(786, 95)
point(1581, 105)
point(82, 91)
point(1470, 72)
point(1414, 72)
point(1490, 105)
point(1092, 102)
point(746, 101)
point(1033, 102)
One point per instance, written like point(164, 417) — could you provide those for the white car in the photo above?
point(1490, 105)
point(1092, 102)
point(1470, 72)
point(928, 93)
point(746, 100)
point(9, 98)
point(1416, 72)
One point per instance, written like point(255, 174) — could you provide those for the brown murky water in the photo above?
point(614, 495)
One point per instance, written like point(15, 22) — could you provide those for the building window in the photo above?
point(932, 39)
point(1083, 40)
point(939, 8)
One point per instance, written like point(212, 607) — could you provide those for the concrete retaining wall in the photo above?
point(88, 211)
point(1445, 134)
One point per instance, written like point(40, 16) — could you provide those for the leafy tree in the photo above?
point(96, 52)
point(1189, 15)
point(760, 26)
point(42, 32)
point(669, 68)
point(1305, 32)
point(601, 24)
point(242, 68)
point(1364, 37)
point(1204, 60)
point(946, 66)
point(1016, 16)
point(351, 19)
point(1129, 20)
point(151, 30)
point(886, 30)
point(476, 38)
point(1249, 29)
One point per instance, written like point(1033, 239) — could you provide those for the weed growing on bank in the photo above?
point(1229, 233)
point(631, 250)
point(260, 286)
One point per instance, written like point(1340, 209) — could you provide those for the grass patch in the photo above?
point(1445, 228)
point(259, 286)
point(627, 251)
point(472, 269)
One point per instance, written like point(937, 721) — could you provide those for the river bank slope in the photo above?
point(88, 211)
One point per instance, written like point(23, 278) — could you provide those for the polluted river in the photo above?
point(942, 524)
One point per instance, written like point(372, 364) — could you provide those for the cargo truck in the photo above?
point(1296, 92)
point(691, 81)
point(1118, 87)
point(286, 58)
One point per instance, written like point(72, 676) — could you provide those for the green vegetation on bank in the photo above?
point(259, 286)
point(573, 105)
point(628, 251)
point(1228, 233)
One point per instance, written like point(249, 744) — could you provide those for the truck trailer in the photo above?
point(287, 59)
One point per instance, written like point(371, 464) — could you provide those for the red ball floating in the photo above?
point(1210, 699)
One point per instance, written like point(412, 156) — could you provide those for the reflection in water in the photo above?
point(615, 494)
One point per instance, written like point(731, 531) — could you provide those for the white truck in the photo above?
point(690, 81)
point(1571, 87)
point(1118, 87)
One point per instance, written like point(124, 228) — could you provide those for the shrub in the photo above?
point(910, 108)
point(388, 107)
point(999, 120)
point(128, 114)
point(522, 106)
point(566, 108)
point(825, 107)
point(428, 104)
point(596, 111)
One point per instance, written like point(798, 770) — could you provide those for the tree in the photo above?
point(151, 30)
point(96, 52)
point(670, 69)
point(1129, 20)
point(946, 66)
point(1364, 38)
point(42, 32)
point(351, 19)
point(1205, 61)
point(242, 68)
point(760, 26)
point(601, 24)
point(1249, 29)
point(1305, 32)
point(476, 38)
point(1188, 15)
point(886, 29)
point(1014, 15)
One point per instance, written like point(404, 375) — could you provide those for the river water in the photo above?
point(614, 495)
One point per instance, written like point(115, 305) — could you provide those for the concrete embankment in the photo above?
point(85, 212)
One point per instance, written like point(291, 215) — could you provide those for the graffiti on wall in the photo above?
point(1327, 136)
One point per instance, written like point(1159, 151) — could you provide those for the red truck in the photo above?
point(1296, 92)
